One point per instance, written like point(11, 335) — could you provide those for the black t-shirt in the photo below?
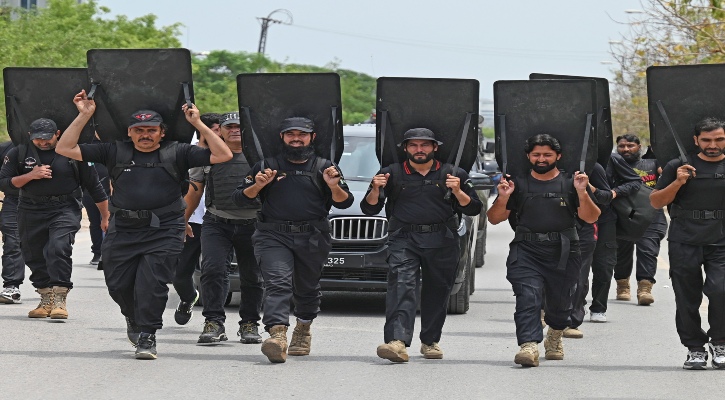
point(696, 194)
point(540, 214)
point(293, 197)
point(64, 180)
point(141, 188)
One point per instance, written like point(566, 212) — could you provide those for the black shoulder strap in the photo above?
point(396, 174)
point(167, 156)
point(124, 155)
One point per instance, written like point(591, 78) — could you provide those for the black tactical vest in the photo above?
point(223, 179)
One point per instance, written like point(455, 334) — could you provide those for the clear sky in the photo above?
point(479, 39)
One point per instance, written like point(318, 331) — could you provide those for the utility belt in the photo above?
point(176, 206)
point(564, 237)
point(216, 218)
point(267, 224)
point(396, 225)
point(677, 212)
point(35, 199)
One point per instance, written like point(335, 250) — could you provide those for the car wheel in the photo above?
point(472, 281)
point(481, 248)
point(459, 302)
point(228, 299)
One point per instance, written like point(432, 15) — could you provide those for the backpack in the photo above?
point(167, 158)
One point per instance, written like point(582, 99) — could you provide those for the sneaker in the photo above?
point(573, 333)
point(249, 333)
point(696, 359)
point(394, 351)
point(132, 331)
point(10, 295)
point(598, 317)
point(146, 349)
point(213, 333)
point(431, 351)
point(96, 259)
point(718, 355)
point(183, 312)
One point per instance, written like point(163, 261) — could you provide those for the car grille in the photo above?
point(359, 228)
point(357, 247)
point(355, 274)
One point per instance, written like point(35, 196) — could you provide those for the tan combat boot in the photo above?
point(528, 356)
point(301, 339)
point(553, 345)
point(431, 352)
point(46, 304)
point(275, 348)
point(573, 333)
point(59, 298)
point(394, 351)
point(644, 293)
point(623, 290)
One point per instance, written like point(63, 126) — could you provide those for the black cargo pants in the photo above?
point(648, 248)
point(582, 287)
point(46, 241)
point(186, 265)
point(686, 266)
point(438, 267)
point(533, 274)
point(13, 265)
point(291, 265)
point(605, 258)
point(217, 240)
point(138, 266)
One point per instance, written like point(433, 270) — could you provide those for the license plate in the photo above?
point(346, 261)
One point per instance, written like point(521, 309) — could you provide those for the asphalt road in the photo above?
point(635, 355)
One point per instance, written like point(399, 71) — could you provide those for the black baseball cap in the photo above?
point(229, 118)
point(297, 123)
point(43, 128)
point(419, 133)
point(145, 118)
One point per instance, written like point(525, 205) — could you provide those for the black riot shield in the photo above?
point(679, 97)
point(565, 109)
point(603, 130)
point(448, 107)
point(32, 93)
point(265, 100)
point(125, 81)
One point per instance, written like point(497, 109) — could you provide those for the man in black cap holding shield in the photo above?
point(297, 188)
point(146, 233)
point(545, 251)
point(423, 239)
point(227, 227)
point(695, 197)
point(49, 212)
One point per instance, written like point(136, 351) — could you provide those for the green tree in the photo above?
point(60, 35)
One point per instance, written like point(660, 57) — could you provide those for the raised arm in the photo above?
point(219, 150)
point(68, 143)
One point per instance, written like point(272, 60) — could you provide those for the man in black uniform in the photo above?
point(49, 212)
point(695, 197)
point(423, 237)
point(13, 265)
point(188, 260)
point(146, 233)
point(648, 247)
point(545, 251)
point(292, 240)
point(227, 226)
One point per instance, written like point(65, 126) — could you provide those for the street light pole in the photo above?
point(265, 25)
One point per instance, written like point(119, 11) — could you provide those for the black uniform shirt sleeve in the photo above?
point(343, 185)
point(9, 170)
point(622, 178)
point(598, 179)
point(238, 196)
point(474, 206)
point(669, 174)
point(97, 153)
point(90, 181)
point(366, 207)
point(190, 156)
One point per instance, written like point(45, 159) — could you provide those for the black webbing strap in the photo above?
point(504, 154)
point(75, 195)
point(257, 145)
point(585, 147)
point(564, 237)
point(697, 214)
point(187, 95)
point(668, 124)
point(178, 205)
point(459, 153)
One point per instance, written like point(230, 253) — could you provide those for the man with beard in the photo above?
point(226, 227)
point(146, 233)
point(544, 258)
point(292, 237)
point(648, 247)
point(695, 197)
point(422, 240)
point(49, 212)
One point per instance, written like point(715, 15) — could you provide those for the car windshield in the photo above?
point(359, 162)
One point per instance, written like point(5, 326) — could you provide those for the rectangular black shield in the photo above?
point(270, 98)
point(556, 107)
point(42, 93)
point(689, 93)
point(605, 136)
point(140, 79)
point(440, 105)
